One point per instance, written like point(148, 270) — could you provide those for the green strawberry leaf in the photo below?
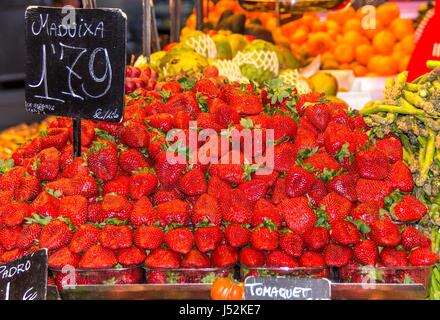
point(249, 169)
point(104, 135)
point(328, 175)
point(166, 95)
point(209, 278)
point(247, 123)
point(43, 133)
point(363, 227)
point(323, 219)
point(110, 282)
point(186, 84)
point(144, 170)
point(393, 198)
point(54, 193)
point(36, 218)
point(202, 102)
point(188, 168)
point(68, 222)
point(343, 153)
point(6, 165)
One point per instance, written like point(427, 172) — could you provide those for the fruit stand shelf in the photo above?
point(340, 291)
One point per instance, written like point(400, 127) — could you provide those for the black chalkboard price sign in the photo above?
point(25, 278)
point(75, 62)
point(280, 288)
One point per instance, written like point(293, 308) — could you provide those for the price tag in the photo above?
point(75, 62)
point(25, 278)
point(278, 288)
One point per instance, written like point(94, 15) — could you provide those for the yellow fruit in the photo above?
point(354, 38)
point(344, 53)
point(384, 41)
point(371, 33)
point(401, 28)
point(387, 12)
point(363, 53)
point(352, 24)
point(360, 71)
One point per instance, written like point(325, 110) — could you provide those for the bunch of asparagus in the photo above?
point(411, 110)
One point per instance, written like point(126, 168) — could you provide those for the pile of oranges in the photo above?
point(371, 42)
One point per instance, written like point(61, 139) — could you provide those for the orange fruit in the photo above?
point(318, 43)
point(352, 24)
point(384, 41)
point(407, 44)
point(387, 12)
point(271, 23)
point(299, 36)
point(360, 70)
point(344, 53)
point(403, 63)
point(363, 53)
point(309, 19)
point(341, 16)
point(371, 33)
point(401, 28)
point(318, 26)
point(354, 38)
point(332, 26)
point(374, 64)
point(383, 65)
point(345, 66)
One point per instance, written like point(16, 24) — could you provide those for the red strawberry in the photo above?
point(28, 236)
point(319, 115)
point(298, 181)
point(337, 207)
point(173, 86)
point(118, 185)
point(116, 206)
point(367, 212)
point(231, 173)
point(224, 256)
point(297, 214)
point(279, 259)
point(372, 164)
point(208, 121)
point(102, 160)
point(83, 238)
point(400, 177)
point(111, 128)
point(279, 191)
point(206, 88)
point(193, 182)
point(226, 115)
point(143, 213)
point(236, 235)
point(168, 172)
point(163, 259)
point(77, 167)
point(134, 134)
point(391, 147)
point(263, 210)
point(265, 236)
point(251, 258)
point(321, 161)
point(422, 257)
point(218, 188)
point(366, 252)
point(206, 207)
point(142, 183)
point(283, 126)
point(335, 136)
point(63, 257)
point(317, 192)
point(385, 233)
point(195, 259)
point(344, 232)
point(97, 257)
point(310, 97)
point(11, 255)
point(9, 237)
point(26, 150)
point(164, 195)
point(392, 257)
point(11, 180)
point(46, 205)
point(29, 188)
point(284, 155)
point(311, 259)
point(94, 212)
point(237, 213)
point(316, 238)
point(161, 121)
point(116, 237)
point(74, 208)
point(174, 211)
point(244, 103)
point(55, 137)
point(292, 243)
point(412, 238)
point(179, 240)
point(148, 237)
point(55, 235)
point(208, 238)
point(409, 209)
point(47, 164)
point(181, 120)
point(132, 160)
point(372, 190)
point(182, 102)
point(336, 255)
point(344, 185)
point(254, 190)
point(131, 256)
point(13, 214)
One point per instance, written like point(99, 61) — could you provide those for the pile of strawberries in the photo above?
point(136, 78)
point(332, 199)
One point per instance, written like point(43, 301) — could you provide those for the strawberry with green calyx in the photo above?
point(148, 237)
point(335, 136)
point(98, 257)
point(336, 255)
point(264, 209)
point(207, 236)
point(320, 162)
point(118, 185)
point(367, 212)
point(102, 159)
point(326, 175)
point(46, 164)
point(279, 259)
point(84, 237)
point(9, 237)
point(174, 211)
point(385, 233)
point(249, 170)
point(142, 183)
point(56, 234)
point(337, 207)
point(344, 232)
point(344, 185)
point(400, 177)
point(55, 137)
point(297, 214)
point(237, 235)
point(206, 207)
point(291, 243)
point(179, 239)
point(224, 256)
point(316, 238)
point(143, 213)
point(344, 155)
point(193, 182)
point(160, 121)
point(63, 257)
point(409, 208)
point(363, 227)
point(163, 259)
point(312, 259)
point(422, 257)
point(134, 134)
point(185, 101)
point(195, 259)
point(116, 206)
point(317, 192)
point(393, 257)
point(116, 236)
point(74, 208)
point(412, 238)
point(47, 204)
point(132, 160)
point(298, 181)
point(251, 257)
point(131, 256)
point(29, 235)
point(265, 236)
point(366, 252)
